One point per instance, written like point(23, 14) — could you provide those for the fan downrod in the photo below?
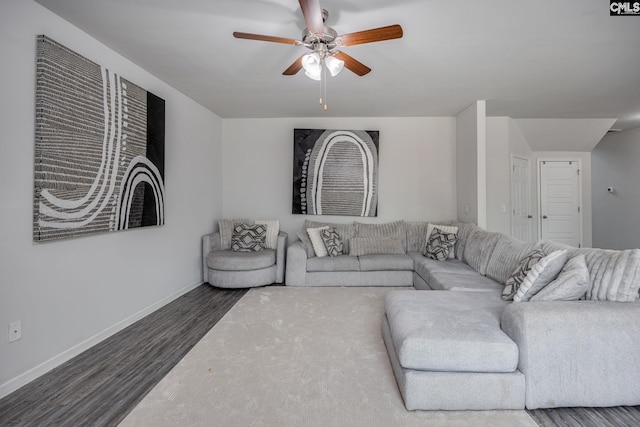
point(327, 38)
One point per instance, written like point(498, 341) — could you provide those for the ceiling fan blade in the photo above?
point(370, 36)
point(250, 36)
point(294, 68)
point(312, 15)
point(353, 64)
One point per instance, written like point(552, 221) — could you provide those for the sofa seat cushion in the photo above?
point(452, 275)
point(396, 262)
point(424, 266)
point(449, 331)
point(439, 280)
point(229, 260)
point(336, 263)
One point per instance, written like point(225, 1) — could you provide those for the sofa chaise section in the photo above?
point(448, 352)
point(577, 353)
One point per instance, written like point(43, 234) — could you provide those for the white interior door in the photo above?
point(560, 215)
point(521, 199)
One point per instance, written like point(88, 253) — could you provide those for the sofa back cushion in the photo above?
point(479, 248)
point(390, 230)
point(464, 231)
point(548, 246)
point(506, 256)
point(345, 231)
point(614, 275)
point(416, 235)
point(375, 246)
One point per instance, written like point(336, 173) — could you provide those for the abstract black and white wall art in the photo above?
point(99, 149)
point(335, 172)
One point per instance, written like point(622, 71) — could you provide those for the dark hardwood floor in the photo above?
point(617, 416)
point(102, 385)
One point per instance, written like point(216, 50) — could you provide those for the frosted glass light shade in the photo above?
point(312, 65)
point(334, 65)
point(314, 76)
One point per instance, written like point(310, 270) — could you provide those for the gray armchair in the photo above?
point(225, 268)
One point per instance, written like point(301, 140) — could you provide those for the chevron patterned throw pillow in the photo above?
point(248, 238)
point(332, 241)
point(439, 245)
point(517, 277)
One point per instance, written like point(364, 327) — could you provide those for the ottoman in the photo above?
point(448, 352)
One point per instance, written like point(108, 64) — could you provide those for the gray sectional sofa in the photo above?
point(455, 344)
point(303, 268)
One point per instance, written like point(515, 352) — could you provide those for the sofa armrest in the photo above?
point(296, 264)
point(210, 243)
point(281, 252)
point(577, 353)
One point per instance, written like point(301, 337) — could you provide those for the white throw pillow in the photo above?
point(445, 229)
point(316, 240)
point(541, 274)
point(273, 228)
point(570, 285)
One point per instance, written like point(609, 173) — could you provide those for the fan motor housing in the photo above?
point(327, 38)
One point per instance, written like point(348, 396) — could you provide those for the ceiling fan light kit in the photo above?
point(313, 62)
point(323, 41)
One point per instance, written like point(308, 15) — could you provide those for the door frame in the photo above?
point(511, 190)
point(539, 197)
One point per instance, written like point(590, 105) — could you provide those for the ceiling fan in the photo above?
point(324, 42)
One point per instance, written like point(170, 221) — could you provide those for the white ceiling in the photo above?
point(563, 134)
point(533, 59)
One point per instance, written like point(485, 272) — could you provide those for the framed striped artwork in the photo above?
point(99, 148)
point(335, 172)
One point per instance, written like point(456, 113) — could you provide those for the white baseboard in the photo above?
point(30, 375)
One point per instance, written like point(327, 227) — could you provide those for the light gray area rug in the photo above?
point(286, 356)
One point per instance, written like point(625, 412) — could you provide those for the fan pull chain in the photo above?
point(323, 83)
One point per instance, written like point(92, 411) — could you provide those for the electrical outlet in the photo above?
point(15, 330)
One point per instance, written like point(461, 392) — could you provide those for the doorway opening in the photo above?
point(559, 201)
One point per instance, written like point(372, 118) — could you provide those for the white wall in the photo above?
point(71, 294)
point(518, 144)
point(498, 175)
point(615, 162)
point(416, 174)
point(471, 175)
point(585, 182)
